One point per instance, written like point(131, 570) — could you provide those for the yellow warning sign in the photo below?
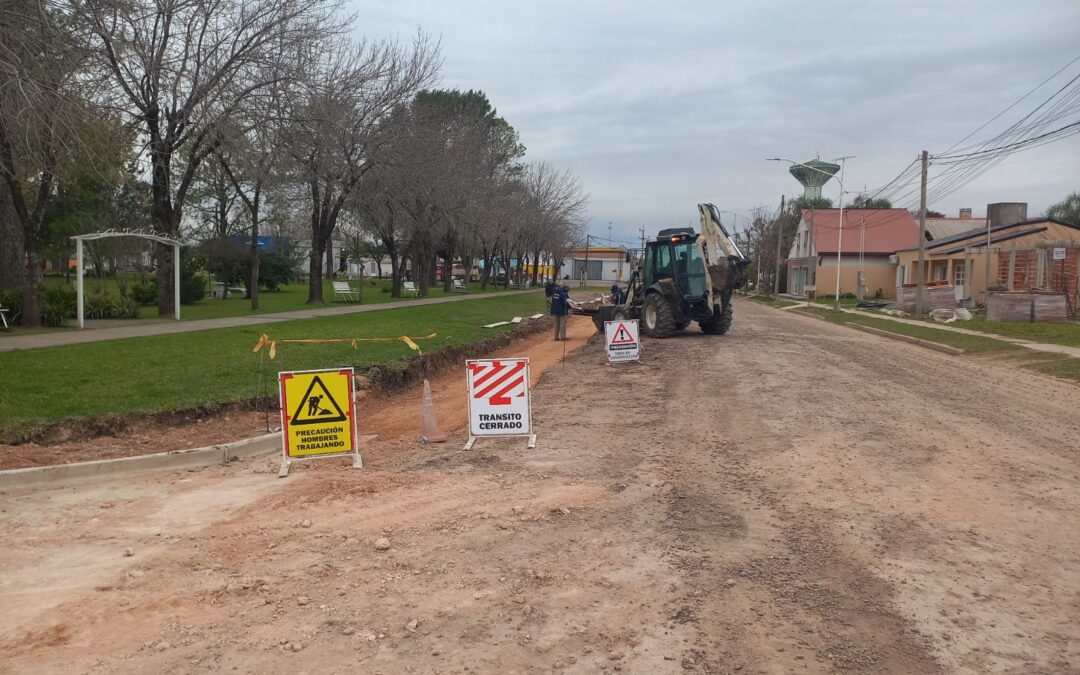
point(318, 415)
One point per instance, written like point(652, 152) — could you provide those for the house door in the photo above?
point(959, 280)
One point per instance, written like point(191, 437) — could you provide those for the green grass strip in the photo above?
point(170, 372)
point(969, 343)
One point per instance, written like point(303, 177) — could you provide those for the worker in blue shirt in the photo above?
point(560, 307)
point(616, 293)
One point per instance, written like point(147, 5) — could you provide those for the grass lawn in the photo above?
point(767, 300)
point(177, 371)
point(289, 298)
point(1067, 334)
point(969, 343)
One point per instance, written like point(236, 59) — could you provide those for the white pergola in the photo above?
point(107, 234)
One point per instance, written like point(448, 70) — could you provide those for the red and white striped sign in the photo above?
point(499, 397)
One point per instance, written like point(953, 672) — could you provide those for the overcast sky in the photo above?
point(657, 106)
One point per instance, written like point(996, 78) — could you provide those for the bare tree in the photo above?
point(46, 125)
point(179, 70)
point(336, 113)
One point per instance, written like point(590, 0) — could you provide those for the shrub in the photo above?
point(275, 270)
point(99, 305)
point(192, 289)
point(58, 304)
point(11, 299)
point(145, 292)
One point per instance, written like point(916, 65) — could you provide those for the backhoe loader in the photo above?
point(684, 276)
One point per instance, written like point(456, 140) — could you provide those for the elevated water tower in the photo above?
point(813, 175)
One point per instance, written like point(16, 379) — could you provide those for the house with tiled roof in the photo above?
point(863, 243)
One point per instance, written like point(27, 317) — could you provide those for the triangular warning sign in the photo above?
point(317, 405)
point(622, 336)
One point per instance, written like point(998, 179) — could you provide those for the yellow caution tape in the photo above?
point(265, 341)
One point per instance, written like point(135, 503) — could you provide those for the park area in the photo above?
point(794, 496)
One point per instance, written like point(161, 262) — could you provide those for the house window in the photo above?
point(940, 271)
point(959, 272)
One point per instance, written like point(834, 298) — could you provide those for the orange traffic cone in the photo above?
point(429, 428)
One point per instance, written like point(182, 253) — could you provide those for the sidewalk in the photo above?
point(42, 340)
point(1037, 346)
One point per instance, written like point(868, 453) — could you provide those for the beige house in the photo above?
point(866, 241)
point(1026, 248)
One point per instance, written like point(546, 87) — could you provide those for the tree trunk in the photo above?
point(395, 276)
point(315, 269)
point(166, 287)
point(485, 274)
point(330, 267)
point(507, 271)
point(448, 271)
point(31, 310)
point(253, 282)
point(421, 274)
point(12, 251)
point(536, 266)
point(466, 264)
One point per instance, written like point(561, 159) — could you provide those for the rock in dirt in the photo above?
point(162, 646)
point(302, 600)
point(128, 552)
point(412, 625)
point(297, 646)
point(382, 544)
point(305, 523)
point(348, 630)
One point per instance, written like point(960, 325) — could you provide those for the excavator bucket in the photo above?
point(723, 259)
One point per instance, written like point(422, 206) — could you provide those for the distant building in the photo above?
point(604, 264)
point(868, 241)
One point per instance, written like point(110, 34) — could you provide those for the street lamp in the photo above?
point(840, 231)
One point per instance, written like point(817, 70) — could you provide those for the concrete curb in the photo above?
point(127, 466)
point(809, 314)
point(955, 351)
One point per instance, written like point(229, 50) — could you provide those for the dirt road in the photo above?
point(792, 497)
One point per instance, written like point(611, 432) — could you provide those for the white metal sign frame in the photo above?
point(611, 329)
point(528, 394)
point(286, 459)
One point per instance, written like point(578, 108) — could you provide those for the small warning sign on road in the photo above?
point(621, 340)
point(499, 403)
point(318, 414)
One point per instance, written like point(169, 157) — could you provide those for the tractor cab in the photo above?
point(675, 254)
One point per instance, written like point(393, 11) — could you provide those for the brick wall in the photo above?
point(1026, 268)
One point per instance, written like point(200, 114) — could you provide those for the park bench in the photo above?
point(343, 290)
point(409, 288)
point(460, 287)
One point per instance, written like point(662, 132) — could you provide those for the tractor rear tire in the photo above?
point(620, 314)
point(657, 316)
point(718, 325)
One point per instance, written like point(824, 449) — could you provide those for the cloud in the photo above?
point(658, 106)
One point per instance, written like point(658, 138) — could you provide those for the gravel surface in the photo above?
point(792, 497)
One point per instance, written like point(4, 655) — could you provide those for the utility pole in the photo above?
point(840, 231)
point(779, 238)
point(585, 272)
point(810, 250)
point(920, 273)
point(642, 238)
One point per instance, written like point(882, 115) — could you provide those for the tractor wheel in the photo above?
point(720, 323)
point(658, 318)
point(620, 314)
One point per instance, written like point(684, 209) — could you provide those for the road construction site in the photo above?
point(793, 496)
